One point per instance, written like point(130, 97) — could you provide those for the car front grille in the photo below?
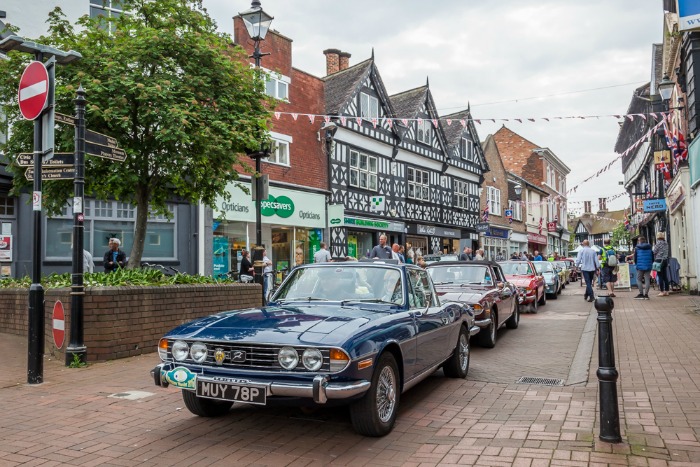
point(250, 356)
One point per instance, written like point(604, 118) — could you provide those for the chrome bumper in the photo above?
point(482, 323)
point(320, 390)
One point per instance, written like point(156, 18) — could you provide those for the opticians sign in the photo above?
point(282, 207)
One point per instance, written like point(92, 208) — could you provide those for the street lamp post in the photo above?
point(257, 23)
point(43, 133)
point(666, 87)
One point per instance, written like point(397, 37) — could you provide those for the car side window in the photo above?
point(498, 275)
point(416, 294)
point(430, 298)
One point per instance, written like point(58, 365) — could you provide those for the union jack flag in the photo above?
point(485, 215)
point(676, 143)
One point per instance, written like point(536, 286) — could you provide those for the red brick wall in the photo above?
point(518, 156)
point(308, 163)
point(498, 172)
point(126, 321)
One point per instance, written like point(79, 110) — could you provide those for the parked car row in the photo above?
point(359, 333)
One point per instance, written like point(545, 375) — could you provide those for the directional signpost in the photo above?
point(60, 159)
point(52, 173)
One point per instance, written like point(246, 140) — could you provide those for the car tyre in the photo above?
point(375, 413)
point(514, 319)
point(457, 366)
point(543, 299)
point(533, 306)
point(487, 336)
point(205, 407)
point(554, 296)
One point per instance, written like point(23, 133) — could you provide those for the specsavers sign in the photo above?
point(282, 207)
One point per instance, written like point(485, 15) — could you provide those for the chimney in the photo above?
point(332, 61)
point(601, 206)
point(344, 60)
point(586, 207)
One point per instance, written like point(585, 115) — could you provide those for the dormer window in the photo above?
point(369, 106)
point(424, 133)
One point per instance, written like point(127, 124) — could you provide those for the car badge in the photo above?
point(219, 356)
point(238, 356)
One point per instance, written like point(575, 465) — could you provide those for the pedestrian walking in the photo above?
point(267, 273)
point(322, 255)
point(661, 258)
point(466, 254)
point(643, 258)
point(246, 266)
point(587, 261)
point(381, 251)
point(608, 262)
point(479, 256)
point(499, 256)
point(88, 263)
point(538, 256)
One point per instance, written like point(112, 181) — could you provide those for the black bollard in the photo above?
point(607, 373)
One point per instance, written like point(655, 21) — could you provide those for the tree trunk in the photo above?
point(140, 229)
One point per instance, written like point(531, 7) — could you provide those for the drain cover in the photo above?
point(540, 381)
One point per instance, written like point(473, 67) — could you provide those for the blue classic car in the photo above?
point(552, 281)
point(358, 332)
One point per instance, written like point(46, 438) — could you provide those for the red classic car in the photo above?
point(483, 286)
point(530, 285)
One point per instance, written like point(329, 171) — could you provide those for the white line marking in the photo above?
point(59, 325)
point(33, 90)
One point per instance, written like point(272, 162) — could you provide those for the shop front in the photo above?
point(363, 234)
point(536, 241)
point(680, 229)
point(292, 227)
point(518, 243)
point(496, 244)
point(431, 239)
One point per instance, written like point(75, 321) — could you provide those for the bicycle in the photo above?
point(167, 270)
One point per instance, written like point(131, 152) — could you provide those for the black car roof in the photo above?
point(354, 264)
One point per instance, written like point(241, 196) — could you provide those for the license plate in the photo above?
point(230, 391)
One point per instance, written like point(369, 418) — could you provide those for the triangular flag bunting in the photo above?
point(278, 115)
point(295, 116)
point(449, 122)
point(311, 118)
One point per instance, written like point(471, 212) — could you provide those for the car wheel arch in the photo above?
point(395, 350)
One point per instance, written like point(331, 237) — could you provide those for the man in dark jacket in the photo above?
point(643, 259)
point(114, 258)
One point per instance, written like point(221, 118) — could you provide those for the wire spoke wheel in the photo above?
point(386, 394)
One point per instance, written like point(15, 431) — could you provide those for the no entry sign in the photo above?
point(33, 90)
point(59, 324)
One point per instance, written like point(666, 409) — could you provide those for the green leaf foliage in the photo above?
point(178, 96)
point(120, 277)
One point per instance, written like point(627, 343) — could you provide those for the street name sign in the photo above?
point(105, 152)
point(52, 173)
point(60, 159)
point(63, 118)
point(33, 91)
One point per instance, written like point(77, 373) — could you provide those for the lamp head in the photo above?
point(518, 189)
point(666, 88)
point(256, 21)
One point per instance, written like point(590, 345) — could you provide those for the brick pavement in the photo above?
point(74, 418)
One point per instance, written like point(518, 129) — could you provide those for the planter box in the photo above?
point(122, 322)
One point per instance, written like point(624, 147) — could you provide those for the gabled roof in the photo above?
point(632, 130)
point(453, 133)
point(595, 226)
point(340, 87)
point(407, 103)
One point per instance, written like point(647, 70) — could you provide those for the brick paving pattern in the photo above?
point(83, 417)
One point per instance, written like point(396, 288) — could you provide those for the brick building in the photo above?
point(547, 217)
point(294, 215)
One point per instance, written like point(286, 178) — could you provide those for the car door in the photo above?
point(505, 294)
point(432, 320)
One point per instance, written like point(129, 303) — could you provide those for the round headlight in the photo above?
point(198, 352)
point(312, 359)
point(288, 358)
point(180, 350)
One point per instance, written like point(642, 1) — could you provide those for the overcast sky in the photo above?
point(508, 58)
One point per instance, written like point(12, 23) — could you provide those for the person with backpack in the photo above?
point(608, 261)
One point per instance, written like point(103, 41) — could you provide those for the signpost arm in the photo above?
point(76, 347)
point(36, 320)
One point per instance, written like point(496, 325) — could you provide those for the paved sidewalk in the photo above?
point(111, 414)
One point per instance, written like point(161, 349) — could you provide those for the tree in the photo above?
point(620, 236)
point(179, 97)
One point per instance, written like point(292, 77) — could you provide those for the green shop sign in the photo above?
point(281, 206)
point(366, 223)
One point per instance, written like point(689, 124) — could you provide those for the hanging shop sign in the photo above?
point(688, 15)
point(482, 227)
point(282, 207)
point(675, 197)
point(654, 205)
point(551, 226)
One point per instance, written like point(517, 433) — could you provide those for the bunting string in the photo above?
point(390, 121)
